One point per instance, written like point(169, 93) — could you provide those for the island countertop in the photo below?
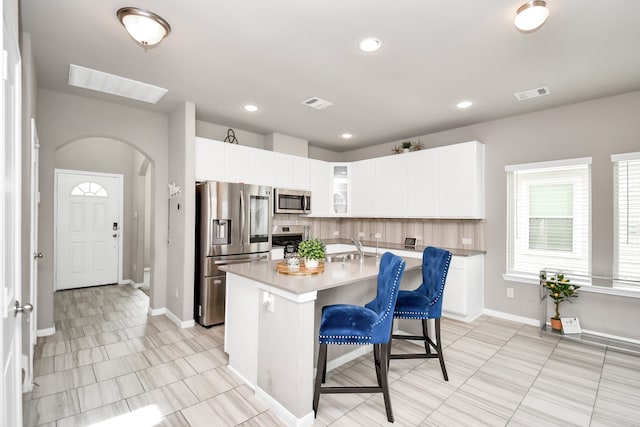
point(335, 274)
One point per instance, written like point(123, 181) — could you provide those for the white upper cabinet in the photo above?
point(210, 161)
point(462, 180)
point(290, 171)
point(391, 185)
point(320, 186)
point(423, 185)
point(363, 200)
point(341, 188)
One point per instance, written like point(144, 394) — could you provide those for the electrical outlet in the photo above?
point(336, 233)
point(378, 235)
point(510, 293)
point(467, 241)
point(360, 234)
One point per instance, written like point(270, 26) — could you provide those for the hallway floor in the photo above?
point(110, 364)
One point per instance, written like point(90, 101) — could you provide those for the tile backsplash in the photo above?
point(445, 233)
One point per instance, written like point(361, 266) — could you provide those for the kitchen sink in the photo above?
point(345, 256)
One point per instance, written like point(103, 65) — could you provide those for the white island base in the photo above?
point(272, 323)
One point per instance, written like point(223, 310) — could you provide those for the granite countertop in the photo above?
point(335, 274)
point(419, 249)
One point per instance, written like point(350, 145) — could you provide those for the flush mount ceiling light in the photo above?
point(146, 28)
point(250, 108)
point(531, 15)
point(347, 136)
point(464, 104)
point(370, 44)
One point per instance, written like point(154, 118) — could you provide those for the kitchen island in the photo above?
point(272, 322)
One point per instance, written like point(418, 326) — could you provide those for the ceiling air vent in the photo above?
point(532, 93)
point(317, 103)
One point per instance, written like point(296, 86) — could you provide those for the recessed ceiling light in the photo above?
point(464, 104)
point(347, 135)
point(370, 44)
point(250, 108)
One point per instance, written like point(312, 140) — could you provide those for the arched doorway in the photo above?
point(106, 155)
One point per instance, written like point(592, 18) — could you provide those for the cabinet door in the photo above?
point(263, 161)
point(320, 183)
point(462, 180)
point(363, 200)
point(423, 184)
point(455, 288)
point(300, 179)
point(341, 188)
point(391, 186)
point(240, 164)
point(283, 170)
point(210, 160)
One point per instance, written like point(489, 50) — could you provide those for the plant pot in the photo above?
point(311, 263)
point(556, 324)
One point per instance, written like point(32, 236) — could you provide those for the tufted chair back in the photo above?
point(435, 266)
point(389, 277)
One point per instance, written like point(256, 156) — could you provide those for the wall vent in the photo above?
point(317, 103)
point(532, 93)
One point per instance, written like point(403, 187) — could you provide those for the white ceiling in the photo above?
point(275, 54)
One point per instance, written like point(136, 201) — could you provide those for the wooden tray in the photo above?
point(283, 268)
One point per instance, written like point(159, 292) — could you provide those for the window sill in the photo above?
point(584, 286)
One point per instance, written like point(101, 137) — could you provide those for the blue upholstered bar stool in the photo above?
point(354, 324)
point(425, 303)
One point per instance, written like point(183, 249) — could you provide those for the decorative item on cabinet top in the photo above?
point(407, 146)
point(231, 137)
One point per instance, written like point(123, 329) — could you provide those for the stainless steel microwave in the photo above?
point(286, 201)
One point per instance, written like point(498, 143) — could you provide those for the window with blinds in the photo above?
point(549, 214)
point(626, 182)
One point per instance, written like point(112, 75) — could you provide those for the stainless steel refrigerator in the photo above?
point(233, 225)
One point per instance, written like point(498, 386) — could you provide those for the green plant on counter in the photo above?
point(406, 145)
point(312, 249)
point(560, 289)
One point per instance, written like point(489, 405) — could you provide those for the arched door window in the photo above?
point(89, 189)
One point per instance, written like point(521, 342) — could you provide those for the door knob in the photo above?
point(26, 309)
point(115, 234)
point(38, 255)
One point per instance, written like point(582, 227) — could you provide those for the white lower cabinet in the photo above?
point(463, 291)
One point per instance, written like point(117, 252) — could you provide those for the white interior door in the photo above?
point(88, 228)
point(10, 263)
point(31, 327)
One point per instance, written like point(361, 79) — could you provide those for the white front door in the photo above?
point(31, 325)
point(88, 228)
point(10, 262)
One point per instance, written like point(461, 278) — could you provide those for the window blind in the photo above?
point(626, 178)
point(549, 217)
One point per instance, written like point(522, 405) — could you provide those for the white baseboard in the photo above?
point(181, 323)
point(156, 311)
point(131, 283)
point(512, 317)
point(283, 413)
point(46, 332)
point(242, 377)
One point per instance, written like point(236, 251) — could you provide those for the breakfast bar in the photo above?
point(272, 321)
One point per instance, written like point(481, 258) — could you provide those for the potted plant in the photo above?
point(560, 289)
point(313, 251)
point(406, 146)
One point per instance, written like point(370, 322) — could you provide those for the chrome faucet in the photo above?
point(360, 249)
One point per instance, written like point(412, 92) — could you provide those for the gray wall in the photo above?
point(218, 133)
point(107, 156)
point(64, 118)
point(181, 251)
point(595, 129)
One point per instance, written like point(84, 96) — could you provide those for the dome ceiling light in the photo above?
point(146, 28)
point(370, 44)
point(531, 15)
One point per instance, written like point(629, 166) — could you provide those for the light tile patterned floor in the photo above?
point(109, 360)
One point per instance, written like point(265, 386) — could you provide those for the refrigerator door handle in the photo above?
point(242, 219)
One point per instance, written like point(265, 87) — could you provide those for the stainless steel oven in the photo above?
point(286, 201)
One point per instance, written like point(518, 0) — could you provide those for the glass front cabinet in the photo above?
point(341, 197)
